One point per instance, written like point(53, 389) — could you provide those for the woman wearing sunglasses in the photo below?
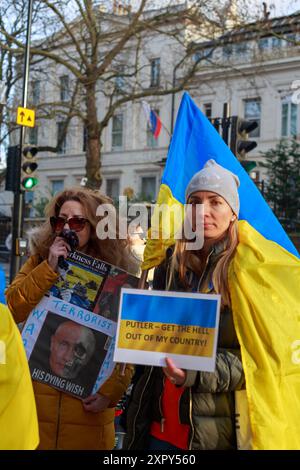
point(66, 422)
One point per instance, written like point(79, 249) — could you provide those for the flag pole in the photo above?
point(141, 285)
point(147, 109)
point(143, 279)
point(162, 125)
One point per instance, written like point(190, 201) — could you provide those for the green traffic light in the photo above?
point(29, 183)
point(248, 165)
point(29, 166)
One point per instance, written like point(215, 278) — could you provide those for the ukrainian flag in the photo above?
point(264, 280)
point(18, 417)
point(194, 142)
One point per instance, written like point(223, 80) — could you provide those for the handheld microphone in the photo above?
point(72, 239)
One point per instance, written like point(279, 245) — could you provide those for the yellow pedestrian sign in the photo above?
point(26, 117)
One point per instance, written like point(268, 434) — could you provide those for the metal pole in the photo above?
point(226, 110)
point(233, 136)
point(225, 129)
point(173, 102)
point(18, 209)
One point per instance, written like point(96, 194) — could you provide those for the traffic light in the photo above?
point(11, 179)
point(240, 129)
point(29, 167)
point(249, 165)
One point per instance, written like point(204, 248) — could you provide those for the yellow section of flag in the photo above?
point(264, 282)
point(18, 418)
point(171, 338)
point(163, 228)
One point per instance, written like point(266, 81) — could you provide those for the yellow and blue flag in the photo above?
point(194, 142)
point(264, 280)
point(2, 286)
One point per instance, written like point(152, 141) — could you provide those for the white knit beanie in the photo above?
point(215, 178)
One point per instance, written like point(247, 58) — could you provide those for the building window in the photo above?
point(155, 72)
point(199, 55)
point(61, 137)
point(289, 118)
point(291, 39)
point(203, 54)
point(64, 88)
point(276, 42)
point(148, 188)
point(241, 48)
point(117, 131)
point(36, 92)
point(227, 51)
point(208, 110)
point(151, 140)
point(57, 186)
point(263, 44)
point(252, 112)
point(33, 135)
point(120, 79)
point(113, 187)
point(29, 204)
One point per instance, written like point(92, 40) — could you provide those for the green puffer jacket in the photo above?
point(207, 403)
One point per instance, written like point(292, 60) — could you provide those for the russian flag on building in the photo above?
point(153, 119)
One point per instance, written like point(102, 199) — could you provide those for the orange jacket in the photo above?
point(63, 422)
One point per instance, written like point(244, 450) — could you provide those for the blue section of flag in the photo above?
point(194, 142)
point(169, 309)
point(2, 286)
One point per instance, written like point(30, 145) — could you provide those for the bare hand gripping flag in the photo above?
point(264, 280)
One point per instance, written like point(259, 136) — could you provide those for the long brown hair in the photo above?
point(115, 251)
point(183, 259)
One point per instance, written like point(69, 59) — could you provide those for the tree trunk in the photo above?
point(93, 144)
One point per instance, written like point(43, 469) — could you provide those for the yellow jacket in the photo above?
point(63, 422)
point(18, 418)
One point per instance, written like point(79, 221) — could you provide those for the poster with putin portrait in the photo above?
point(69, 336)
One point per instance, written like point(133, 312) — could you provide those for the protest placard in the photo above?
point(69, 336)
point(153, 325)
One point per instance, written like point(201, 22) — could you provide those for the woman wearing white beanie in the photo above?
point(173, 408)
point(251, 400)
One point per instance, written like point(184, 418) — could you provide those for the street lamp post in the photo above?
point(18, 207)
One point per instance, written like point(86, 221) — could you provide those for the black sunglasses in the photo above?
point(75, 223)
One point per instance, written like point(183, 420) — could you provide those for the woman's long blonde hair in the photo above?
point(183, 259)
point(114, 251)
